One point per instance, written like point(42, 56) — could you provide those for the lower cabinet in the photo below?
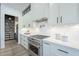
point(52, 49)
point(24, 41)
point(59, 51)
point(46, 49)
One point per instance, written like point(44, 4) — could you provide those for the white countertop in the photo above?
point(51, 40)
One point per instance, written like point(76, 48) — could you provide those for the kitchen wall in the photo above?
point(70, 31)
point(26, 19)
point(38, 11)
point(10, 11)
point(16, 22)
point(0, 25)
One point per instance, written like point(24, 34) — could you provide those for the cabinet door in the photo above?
point(58, 50)
point(53, 13)
point(20, 38)
point(54, 51)
point(69, 13)
point(46, 49)
point(24, 41)
point(27, 19)
point(39, 10)
point(49, 49)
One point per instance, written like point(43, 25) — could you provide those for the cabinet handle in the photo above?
point(61, 19)
point(63, 51)
point(57, 20)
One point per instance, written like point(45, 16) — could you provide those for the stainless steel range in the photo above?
point(35, 43)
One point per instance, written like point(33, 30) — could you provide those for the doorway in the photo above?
point(11, 30)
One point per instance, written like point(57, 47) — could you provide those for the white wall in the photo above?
point(10, 11)
point(27, 19)
point(38, 11)
point(0, 25)
point(72, 32)
point(16, 22)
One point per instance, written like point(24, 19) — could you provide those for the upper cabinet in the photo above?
point(64, 13)
point(27, 19)
point(53, 14)
point(39, 10)
point(57, 13)
point(69, 13)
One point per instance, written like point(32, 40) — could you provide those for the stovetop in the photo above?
point(39, 36)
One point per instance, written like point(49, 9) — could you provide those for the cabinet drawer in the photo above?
point(23, 41)
point(23, 38)
point(20, 37)
point(64, 51)
point(59, 51)
point(24, 45)
point(26, 40)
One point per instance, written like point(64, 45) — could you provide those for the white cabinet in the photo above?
point(27, 19)
point(69, 13)
point(46, 49)
point(52, 49)
point(24, 41)
point(64, 13)
point(53, 13)
point(39, 10)
point(61, 50)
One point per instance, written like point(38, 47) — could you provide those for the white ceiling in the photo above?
point(17, 6)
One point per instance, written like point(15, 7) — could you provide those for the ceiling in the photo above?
point(17, 6)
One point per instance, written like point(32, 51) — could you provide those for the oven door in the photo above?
point(33, 50)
